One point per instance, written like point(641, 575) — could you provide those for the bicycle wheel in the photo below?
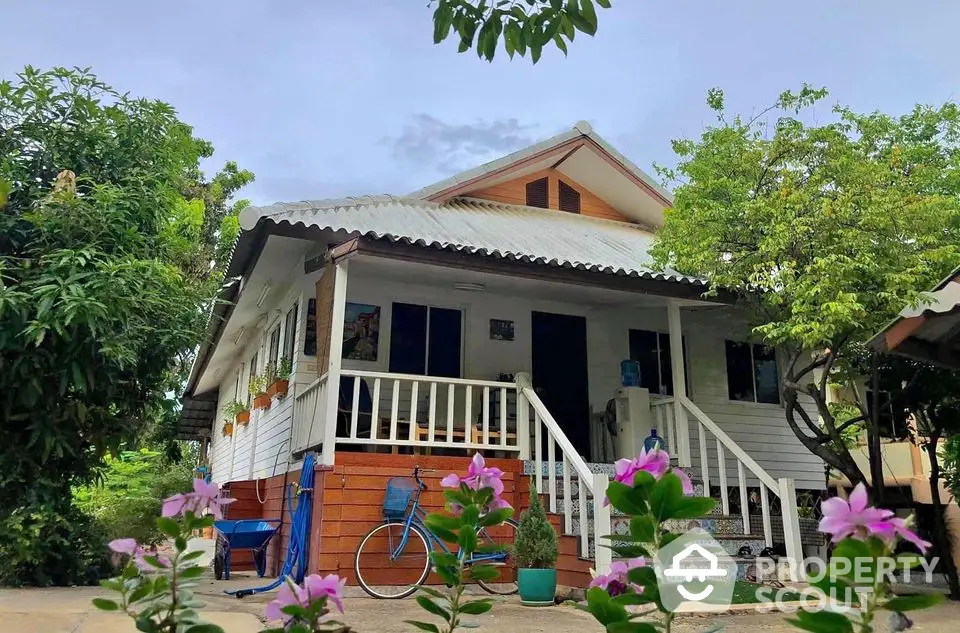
point(382, 571)
point(504, 535)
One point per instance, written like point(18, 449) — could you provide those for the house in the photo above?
point(490, 312)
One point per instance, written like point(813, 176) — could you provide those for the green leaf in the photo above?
point(470, 515)
point(168, 526)
point(429, 605)
point(467, 540)
point(443, 534)
point(912, 603)
point(589, 13)
point(603, 608)
point(629, 500)
point(631, 626)
point(191, 572)
point(189, 556)
point(665, 496)
point(643, 528)
point(692, 507)
point(105, 605)
point(476, 607)
point(432, 592)
point(496, 517)
point(424, 626)
point(558, 40)
point(631, 598)
point(604, 3)
point(443, 559)
point(484, 572)
point(822, 622)
point(442, 521)
point(140, 592)
point(204, 627)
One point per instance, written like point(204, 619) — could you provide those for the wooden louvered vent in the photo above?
point(538, 193)
point(569, 198)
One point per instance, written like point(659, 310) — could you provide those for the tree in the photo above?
point(825, 231)
point(523, 27)
point(109, 247)
point(931, 397)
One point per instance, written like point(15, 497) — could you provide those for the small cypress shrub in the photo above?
point(536, 546)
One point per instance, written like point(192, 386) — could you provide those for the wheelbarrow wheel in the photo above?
point(218, 563)
point(260, 561)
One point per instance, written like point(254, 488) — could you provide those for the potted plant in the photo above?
point(280, 378)
point(238, 412)
point(227, 428)
point(536, 553)
point(258, 387)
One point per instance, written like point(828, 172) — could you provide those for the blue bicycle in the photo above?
point(393, 559)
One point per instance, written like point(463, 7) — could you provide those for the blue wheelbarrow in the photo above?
point(251, 534)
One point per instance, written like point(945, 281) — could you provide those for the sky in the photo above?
point(324, 98)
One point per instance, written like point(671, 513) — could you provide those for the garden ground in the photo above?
point(68, 610)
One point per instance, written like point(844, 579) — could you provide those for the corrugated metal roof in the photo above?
point(939, 301)
point(482, 227)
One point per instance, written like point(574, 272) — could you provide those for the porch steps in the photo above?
point(574, 570)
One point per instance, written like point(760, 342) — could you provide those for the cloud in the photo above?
point(450, 147)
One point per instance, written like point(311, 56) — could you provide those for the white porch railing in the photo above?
point(308, 418)
point(423, 412)
point(663, 408)
point(711, 439)
point(546, 430)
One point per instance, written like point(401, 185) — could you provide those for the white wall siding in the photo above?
point(761, 429)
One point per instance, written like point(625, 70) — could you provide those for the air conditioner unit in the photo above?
point(634, 420)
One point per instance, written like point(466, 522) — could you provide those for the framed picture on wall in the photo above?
point(501, 330)
point(361, 331)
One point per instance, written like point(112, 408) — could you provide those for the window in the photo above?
point(538, 193)
point(425, 340)
point(310, 335)
point(290, 333)
point(752, 374)
point(652, 351)
point(569, 198)
point(251, 373)
point(273, 351)
point(893, 421)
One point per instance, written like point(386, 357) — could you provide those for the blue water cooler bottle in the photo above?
point(653, 441)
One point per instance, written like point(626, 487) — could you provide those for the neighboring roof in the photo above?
point(929, 331)
point(481, 227)
point(582, 132)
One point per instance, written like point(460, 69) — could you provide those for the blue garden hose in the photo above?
point(298, 549)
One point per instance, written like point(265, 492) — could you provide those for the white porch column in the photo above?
point(791, 528)
point(333, 367)
point(679, 382)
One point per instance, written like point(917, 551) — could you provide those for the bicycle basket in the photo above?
point(397, 497)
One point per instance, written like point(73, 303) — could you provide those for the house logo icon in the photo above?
point(695, 573)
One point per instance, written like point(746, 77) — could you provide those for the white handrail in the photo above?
point(306, 406)
point(732, 446)
point(566, 448)
point(586, 480)
point(362, 373)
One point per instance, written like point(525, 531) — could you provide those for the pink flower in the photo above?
point(478, 477)
point(329, 586)
point(204, 496)
point(126, 546)
point(615, 581)
point(685, 482)
point(655, 462)
point(314, 588)
point(855, 519)
point(129, 547)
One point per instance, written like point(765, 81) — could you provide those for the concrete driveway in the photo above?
point(68, 610)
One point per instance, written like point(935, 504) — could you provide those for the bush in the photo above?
point(131, 494)
point(52, 544)
point(536, 545)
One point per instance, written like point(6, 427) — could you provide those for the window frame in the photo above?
point(664, 336)
point(752, 347)
point(426, 348)
point(273, 345)
point(290, 333)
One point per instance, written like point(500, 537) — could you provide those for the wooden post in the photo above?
point(679, 382)
point(335, 353)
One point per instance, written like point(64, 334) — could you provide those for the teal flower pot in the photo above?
point(537, 586)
